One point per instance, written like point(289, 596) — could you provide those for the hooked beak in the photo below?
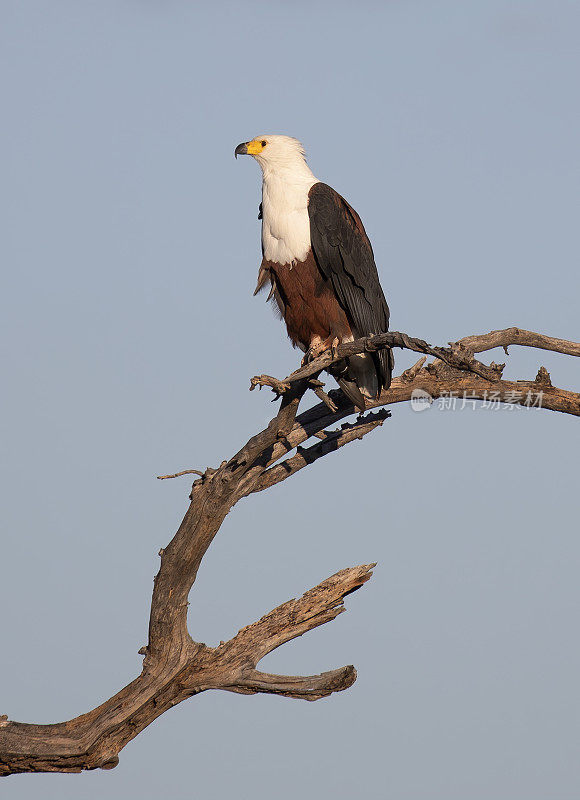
point(241, 150)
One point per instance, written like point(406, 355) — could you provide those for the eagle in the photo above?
point(318, 262)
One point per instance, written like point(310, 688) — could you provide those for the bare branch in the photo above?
point(316, 387)
point(179, 474)
point(367, 344)
point(175, 666)
point(509, 336)
point(439, 380)
point(95, 739)
point(458, 355)
point(330, 441)
point(296, 617)
point(410, 374)
point(279, 387)
point(313, 687)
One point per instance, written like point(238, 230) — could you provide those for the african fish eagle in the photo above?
point(319, 263)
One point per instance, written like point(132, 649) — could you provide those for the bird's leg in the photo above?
point(315, 349)
point(319, 346)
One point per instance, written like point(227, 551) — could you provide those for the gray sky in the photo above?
point(130, 249)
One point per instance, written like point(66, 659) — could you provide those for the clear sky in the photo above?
point(129, 253)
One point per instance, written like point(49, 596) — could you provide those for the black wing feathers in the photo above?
point(345, 257)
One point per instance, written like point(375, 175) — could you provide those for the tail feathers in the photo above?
point(364, 375)
point(353, 393)
point(362, 370)
point(385, 364)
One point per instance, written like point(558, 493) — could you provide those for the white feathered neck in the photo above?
point(286, 181)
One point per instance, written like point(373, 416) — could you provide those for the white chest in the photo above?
point(285, 221)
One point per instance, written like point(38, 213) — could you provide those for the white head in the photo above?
point(276, 153)
point(286, 181)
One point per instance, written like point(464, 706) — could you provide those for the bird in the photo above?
point(319, 264)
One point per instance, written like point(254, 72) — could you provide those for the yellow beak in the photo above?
point(254, 147)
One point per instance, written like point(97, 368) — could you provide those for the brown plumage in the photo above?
point(306, 301)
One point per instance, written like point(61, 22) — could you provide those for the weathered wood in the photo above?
point(459, 354)
point(95, 739)
point(175, 666)
point(508, 336)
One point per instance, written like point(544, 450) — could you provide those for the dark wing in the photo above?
point(344, 256)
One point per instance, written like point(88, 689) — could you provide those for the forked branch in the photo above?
point(175, 666)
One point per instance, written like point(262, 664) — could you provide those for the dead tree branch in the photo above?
point(458, 355)
point(509, 336)
point(175, 666)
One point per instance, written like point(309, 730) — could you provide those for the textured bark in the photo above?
point(175, 666)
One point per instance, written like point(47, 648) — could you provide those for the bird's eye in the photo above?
point(263, 143)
